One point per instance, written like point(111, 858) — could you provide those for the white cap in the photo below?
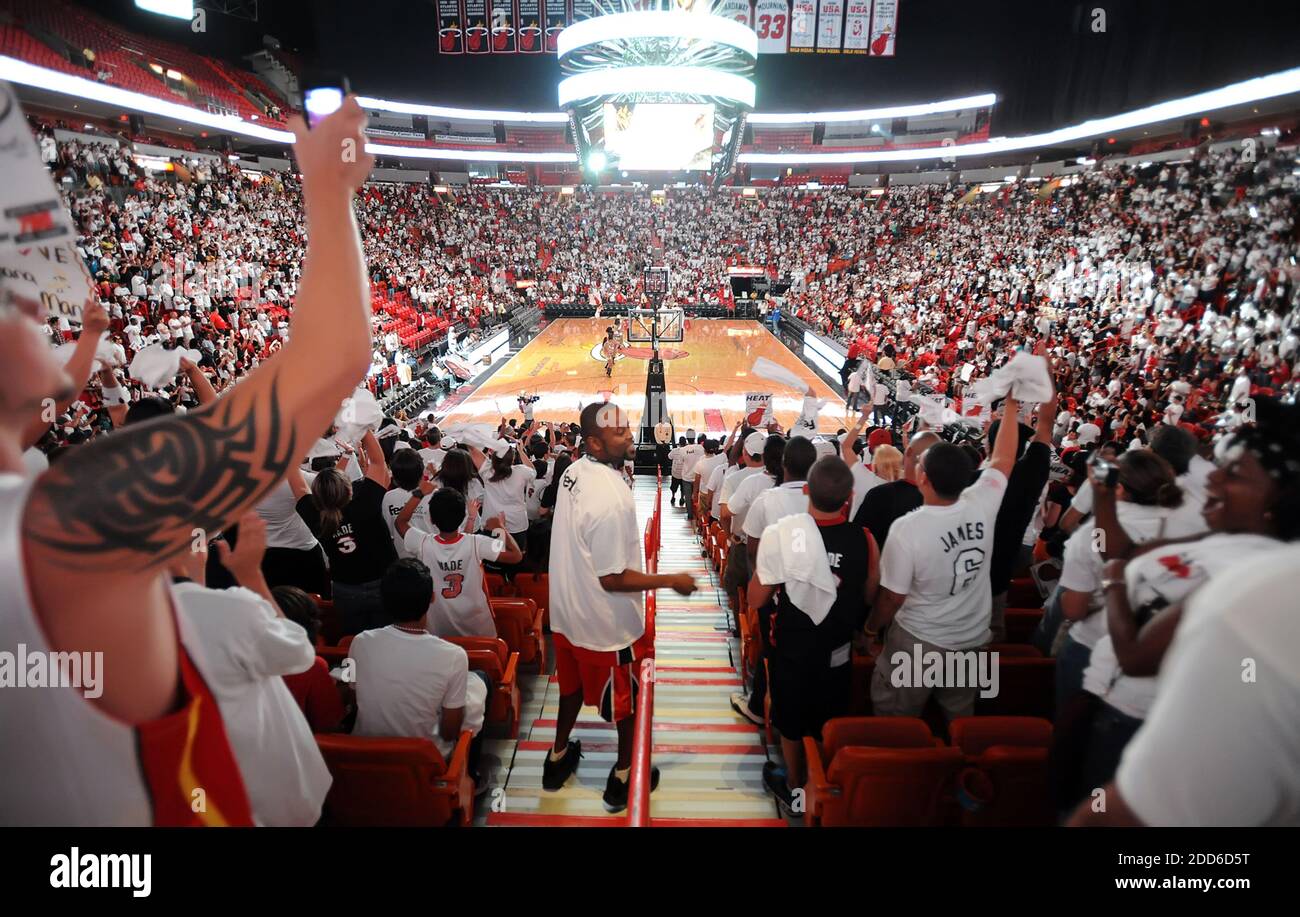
point(1089, 433)
point(754, 443)
point(824, 448)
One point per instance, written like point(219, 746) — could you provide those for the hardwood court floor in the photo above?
point(707, 377)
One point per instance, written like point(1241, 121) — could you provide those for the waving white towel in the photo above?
point(792, 553)
point(156, 366)
point(359, 413)
point(1025, 377)
point(774, 372)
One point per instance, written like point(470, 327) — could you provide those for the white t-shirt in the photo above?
point(938, 557)
point(677, 458)
point(1221, 744)
point(774, 504)
point(743, 496)
point(1081, 564)
point(405, 680)
point(595, 534)
point(433, 457)
point(730, 484)
point(509, 496)
point(393, 502)
point(691, 453)
point(284, 527)
point(460, 605)
point(717, 481)
point(707, 466)
point(241, 646)
point(1160, 579)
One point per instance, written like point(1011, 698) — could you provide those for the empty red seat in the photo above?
point(396, 782)
point(519, 624)
point(878, 771)
point(1009, 786)
point(535, 586)
point(492, 657)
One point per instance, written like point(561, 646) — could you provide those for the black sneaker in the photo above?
point(615, 797)
point(774, 780)
point(555, 773)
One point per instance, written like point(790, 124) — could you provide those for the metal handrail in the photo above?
point(638, 791)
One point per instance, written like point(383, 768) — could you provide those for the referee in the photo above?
point(597, 616)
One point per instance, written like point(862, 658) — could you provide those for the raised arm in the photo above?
point(125, 505)
point(1004, 447)
point(199, 381)
point(94, 322)
point(375, 468)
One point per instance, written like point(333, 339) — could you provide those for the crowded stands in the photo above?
point(306, 570)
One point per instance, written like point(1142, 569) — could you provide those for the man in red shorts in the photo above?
point(597, 616)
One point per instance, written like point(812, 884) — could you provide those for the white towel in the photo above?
point(932, 408)
point(808, 580)
point(156, 366)
point(774, 372)
point(1025, 377)
point(357, 415)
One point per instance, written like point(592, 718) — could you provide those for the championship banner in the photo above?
point(583, 9)
point(477, 39)
point(531, 36)
point(557, 20)
point(857, 26)
point(734, 9)
point(772, 25)
point(53, 274)
point(803, 26)
point(830, 21)
point(30, 209)
point(758, 409)
point(451, 31)
point(884, 28)
point(502, 15)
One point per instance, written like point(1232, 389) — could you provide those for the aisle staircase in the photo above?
point(710, 758)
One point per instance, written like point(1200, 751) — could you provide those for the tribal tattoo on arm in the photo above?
point(135, 500)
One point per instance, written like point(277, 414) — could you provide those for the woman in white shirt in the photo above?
point(1250, 506)
point(506, 487)
point(1147, 496)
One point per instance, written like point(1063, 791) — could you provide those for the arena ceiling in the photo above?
point(1041, 57)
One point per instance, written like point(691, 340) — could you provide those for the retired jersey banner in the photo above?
point(803, 26)
point(451, 27)
point(772, 25)
point(884, 28)
point(830, 20)
point(502, 16)
point(734, 9)
point(531, 37)
point(857, 26)
point(583, 9)
point(477, 38)
point(557, 20)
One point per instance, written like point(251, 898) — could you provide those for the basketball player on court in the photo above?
point(609, 347)
point(597, 617)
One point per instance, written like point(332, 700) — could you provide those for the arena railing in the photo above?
point(638, 795)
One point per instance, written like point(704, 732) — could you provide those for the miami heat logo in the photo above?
point(624, 117)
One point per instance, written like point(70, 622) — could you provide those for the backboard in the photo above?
point(640, 331)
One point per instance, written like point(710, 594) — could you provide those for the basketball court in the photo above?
point(707, 377)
